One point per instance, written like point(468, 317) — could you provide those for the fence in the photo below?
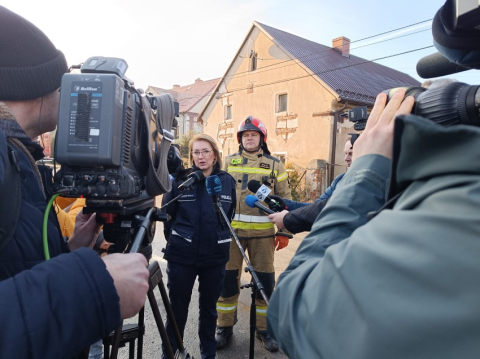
point(309, 183)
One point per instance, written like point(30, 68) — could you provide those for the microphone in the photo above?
point(437, 65)
point(262, 193)
point(192, 178)
point(214, 188)
point(253, 202)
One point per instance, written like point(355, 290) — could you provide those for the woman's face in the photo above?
point(203, 156)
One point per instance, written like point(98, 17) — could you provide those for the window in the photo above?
point(253, 61)
point(228, 112)
point(282, 102)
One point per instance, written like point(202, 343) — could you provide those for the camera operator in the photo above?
point(197, 244)
point(301, 215)
point(405, 284)
point(54, 308)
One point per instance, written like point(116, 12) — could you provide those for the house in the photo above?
point(299, 89)
point(191, 99)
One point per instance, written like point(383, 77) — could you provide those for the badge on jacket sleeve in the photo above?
point(236, 161)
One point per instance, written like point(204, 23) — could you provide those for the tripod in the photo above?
point(130, 332)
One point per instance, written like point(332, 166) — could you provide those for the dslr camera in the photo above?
point(456, 35)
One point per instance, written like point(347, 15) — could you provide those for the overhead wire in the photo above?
point(365, 38)
point(264, 68)
point(328, 51)
point(319, 73)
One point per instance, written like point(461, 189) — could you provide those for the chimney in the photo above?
point(342, 44)
point(199, 80)
point(176, 86)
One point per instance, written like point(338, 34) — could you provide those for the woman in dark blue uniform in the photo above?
point(197, 246)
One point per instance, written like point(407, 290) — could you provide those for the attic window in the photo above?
point(253, 61)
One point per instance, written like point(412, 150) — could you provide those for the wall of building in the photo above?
point(296, 132)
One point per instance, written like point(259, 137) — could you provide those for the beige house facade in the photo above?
point(299, 89)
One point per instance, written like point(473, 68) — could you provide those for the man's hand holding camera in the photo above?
point(378, 135)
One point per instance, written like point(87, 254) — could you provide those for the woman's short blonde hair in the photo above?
point(211, 141)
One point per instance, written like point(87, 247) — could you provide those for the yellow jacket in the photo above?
point(66, 220)
point(244, 167)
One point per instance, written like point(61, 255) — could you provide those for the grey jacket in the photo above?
point(407, 283)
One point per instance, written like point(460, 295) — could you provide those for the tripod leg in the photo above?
point(253, 323)
point(116, 343)
point(160, 325)
point(141, 324)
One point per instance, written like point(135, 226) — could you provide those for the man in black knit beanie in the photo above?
point(49, 308)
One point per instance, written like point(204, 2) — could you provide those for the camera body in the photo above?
point(111, 137)
point(359, 116)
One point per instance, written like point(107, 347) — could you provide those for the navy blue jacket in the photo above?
point(194, 236)
point(55, 308)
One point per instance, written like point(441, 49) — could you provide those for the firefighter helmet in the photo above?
point(252, 124)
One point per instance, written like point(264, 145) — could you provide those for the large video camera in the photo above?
point(456, 33)
point(112, 140)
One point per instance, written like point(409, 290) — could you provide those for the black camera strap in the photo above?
point(11, 198)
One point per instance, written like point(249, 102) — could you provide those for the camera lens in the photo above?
point(456, 103)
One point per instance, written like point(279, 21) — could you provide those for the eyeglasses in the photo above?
point(204, 153)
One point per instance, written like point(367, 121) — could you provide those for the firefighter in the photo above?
point(255, 231)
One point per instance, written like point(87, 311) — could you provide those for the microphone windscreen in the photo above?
point(437, 65)
point(198, 174)
point(253, 186)
point(214, 185)
point(250, 200)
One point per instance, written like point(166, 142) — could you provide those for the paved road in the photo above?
point(238, 348)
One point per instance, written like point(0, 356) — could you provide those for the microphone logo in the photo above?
point(262, 192)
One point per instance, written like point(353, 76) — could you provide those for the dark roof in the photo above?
point(353, 78)
point(188, 96)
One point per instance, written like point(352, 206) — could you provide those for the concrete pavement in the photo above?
point(238, 348)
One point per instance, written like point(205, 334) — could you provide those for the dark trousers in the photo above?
point(180, 284)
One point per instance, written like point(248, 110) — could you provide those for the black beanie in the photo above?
point(30, 65)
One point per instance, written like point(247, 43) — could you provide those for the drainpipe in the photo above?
point(336, 117)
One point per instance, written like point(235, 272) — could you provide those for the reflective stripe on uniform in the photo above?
point(251, 219)
point(263, 171)
point(251, 225)
point(226, 308)
point(177, 234)
point(261, 310)
point(282, 177)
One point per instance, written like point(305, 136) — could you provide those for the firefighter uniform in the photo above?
point(255, 231)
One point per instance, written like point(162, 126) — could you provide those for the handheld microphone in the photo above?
point(214, 188)
point(253, 202)
point(192, 178)
point(262, 193)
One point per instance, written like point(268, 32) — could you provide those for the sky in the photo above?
point(176, 42)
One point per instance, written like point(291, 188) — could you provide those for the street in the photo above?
point(239, 345)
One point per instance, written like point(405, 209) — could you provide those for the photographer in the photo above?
point(53, 308)
point(405, 284)
point(197, 244)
